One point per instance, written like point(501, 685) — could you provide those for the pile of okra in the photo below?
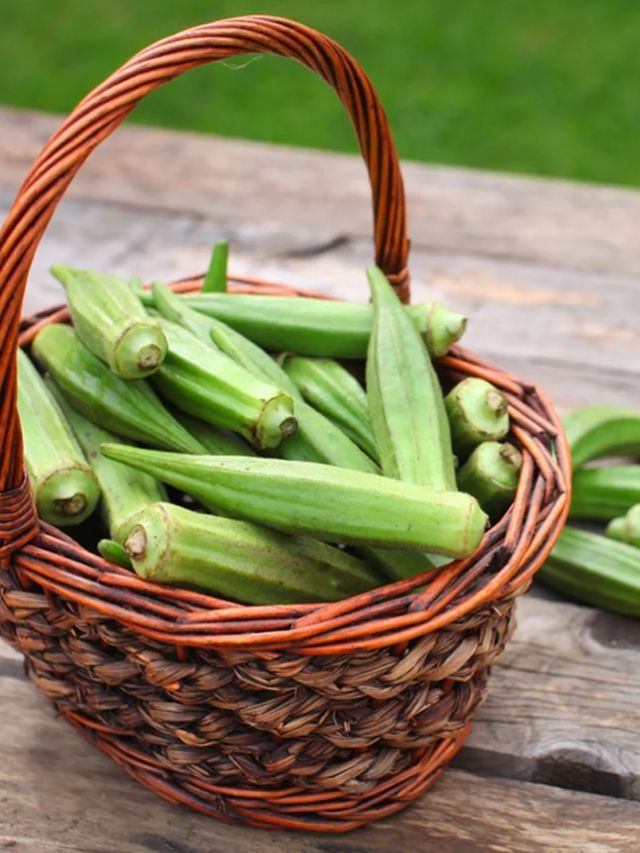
point(265, 449)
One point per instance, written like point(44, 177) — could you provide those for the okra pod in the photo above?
point(125, 491)
point(111, 322)
point(216, 441)
point(596, 570)
point(114, 552)
point(627, 528)
point(124, 407)
point(205, 383)
point(64, 486)
point(240, 560)
point(477, 412)
point(331, 504)
point(333, 391)
point(320, 327)
point(406, 405)
point(491, 475)
point(316, 439)
point(215, 281)
point(398, 565)
point(605, 493)
point(597, 431)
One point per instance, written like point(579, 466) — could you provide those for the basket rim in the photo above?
point(503, 565)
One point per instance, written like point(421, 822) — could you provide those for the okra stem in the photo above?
point(491, 475)
point(477, 412)
point(216, 277)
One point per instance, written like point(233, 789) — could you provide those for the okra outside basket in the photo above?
point(320, 716)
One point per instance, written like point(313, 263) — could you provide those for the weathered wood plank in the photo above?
point(564, 704)
point(556, 223)
point(57, 793)
point(574, 333)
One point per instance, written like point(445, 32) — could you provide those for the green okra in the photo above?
point(240, 560)
point(597, 431)
point(205, 383)
point(216, 441)
point(399, 565)
point(406, 405)
point(317, 439)
point(127, 408)
point(477, 412)
point(124, 490)
point(627, 528)
point(491, 475)
point(594, 569)
point(331, 504)
point(329, 387)
point(319, 327)
point(604, 493)
point(65, 489)
point(111, 322)
point(215, 281)
point(114, 552)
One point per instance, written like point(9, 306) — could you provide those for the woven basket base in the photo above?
point(324, 743)
point(293, 809)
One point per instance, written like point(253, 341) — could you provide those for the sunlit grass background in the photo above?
point(550, 87)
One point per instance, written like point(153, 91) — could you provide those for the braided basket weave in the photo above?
point(320, 716)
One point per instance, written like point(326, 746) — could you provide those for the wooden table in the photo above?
point(550, 274)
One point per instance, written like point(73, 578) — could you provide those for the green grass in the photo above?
point(550, 87)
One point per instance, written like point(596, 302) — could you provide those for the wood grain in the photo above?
point(559, 223)
point(57, 793)
point(564, 704)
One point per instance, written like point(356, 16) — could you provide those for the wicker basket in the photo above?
point(323, 716)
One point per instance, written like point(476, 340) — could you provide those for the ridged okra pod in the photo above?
point(240, 560)
point(124, 490)
point(329, 387)
point(125, 407)
point(605, 493)
point(597, 431)
point(205, 383)
point(477, 412)
point(491, 475)
point(111, 322)
point(406, 405)
point(331, 504)
point(64, 486)
point(594, 569)
point(215, 281)
point(627, 528)
point(320, 327)
point(317, 439)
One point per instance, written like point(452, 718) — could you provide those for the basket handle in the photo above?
point(106, 107)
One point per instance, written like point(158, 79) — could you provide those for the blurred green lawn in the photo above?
point(549, 87)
